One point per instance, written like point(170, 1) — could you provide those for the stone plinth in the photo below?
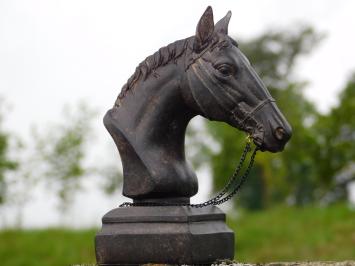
point(168, 234)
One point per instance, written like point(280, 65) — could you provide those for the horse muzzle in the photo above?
point(273, 131)
point(265, 124)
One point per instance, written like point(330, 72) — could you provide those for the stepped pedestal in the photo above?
point(167, 234)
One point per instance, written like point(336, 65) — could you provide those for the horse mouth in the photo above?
point(257, 135)
point(267, 146)
point(258, 142)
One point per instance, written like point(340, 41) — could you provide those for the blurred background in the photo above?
point(62, 65)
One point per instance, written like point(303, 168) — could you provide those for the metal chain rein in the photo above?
point(217, 199)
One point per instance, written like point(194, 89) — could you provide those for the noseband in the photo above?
point(250, 115)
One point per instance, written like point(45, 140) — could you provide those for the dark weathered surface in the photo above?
point(163, 214)
point(204, 75)
point(174, 235)
point(207, 75)
point(299, 263)
point(311, 263)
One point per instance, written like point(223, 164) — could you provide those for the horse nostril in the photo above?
point(280, 133)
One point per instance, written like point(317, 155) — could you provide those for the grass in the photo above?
point(280, 234)
point(296, 234)
point(54, 247)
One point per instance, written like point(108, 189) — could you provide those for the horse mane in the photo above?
point(160, 58)
point(164, 56)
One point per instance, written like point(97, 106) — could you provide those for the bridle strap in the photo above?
point(256, 109)
point(195, 56)
point(207, 80)
point(248, 115)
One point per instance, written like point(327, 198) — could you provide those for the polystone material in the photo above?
point(205, 74)
point(167, 234)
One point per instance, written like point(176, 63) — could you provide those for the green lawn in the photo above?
point(50, 247)
point(280, 234)
point(291, 234)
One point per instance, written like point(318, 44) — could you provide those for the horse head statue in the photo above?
point(206, 75)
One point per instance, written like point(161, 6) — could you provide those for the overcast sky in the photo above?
point(57, 52)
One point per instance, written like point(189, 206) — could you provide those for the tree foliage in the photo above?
point(62, 149)
point(6, 162)
point(336, 141)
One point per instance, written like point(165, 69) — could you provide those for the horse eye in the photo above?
point(225, 69)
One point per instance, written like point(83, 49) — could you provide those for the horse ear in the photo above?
point(222, 25)
point(204, 30)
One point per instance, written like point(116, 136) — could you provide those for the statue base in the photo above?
point(164, 235)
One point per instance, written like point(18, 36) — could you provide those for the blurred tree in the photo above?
point(57, 157)
point(288, 175)
point(62, 149)
point(6, 163)
point(336, 154)
point(112, 177)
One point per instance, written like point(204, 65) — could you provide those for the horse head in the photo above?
point(223, 86)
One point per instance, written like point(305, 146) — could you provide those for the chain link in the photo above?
point(218, 199)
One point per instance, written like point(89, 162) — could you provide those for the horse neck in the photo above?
point(148, 128)
point(156, 112)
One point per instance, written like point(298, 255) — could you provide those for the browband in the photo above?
point(195, 56)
